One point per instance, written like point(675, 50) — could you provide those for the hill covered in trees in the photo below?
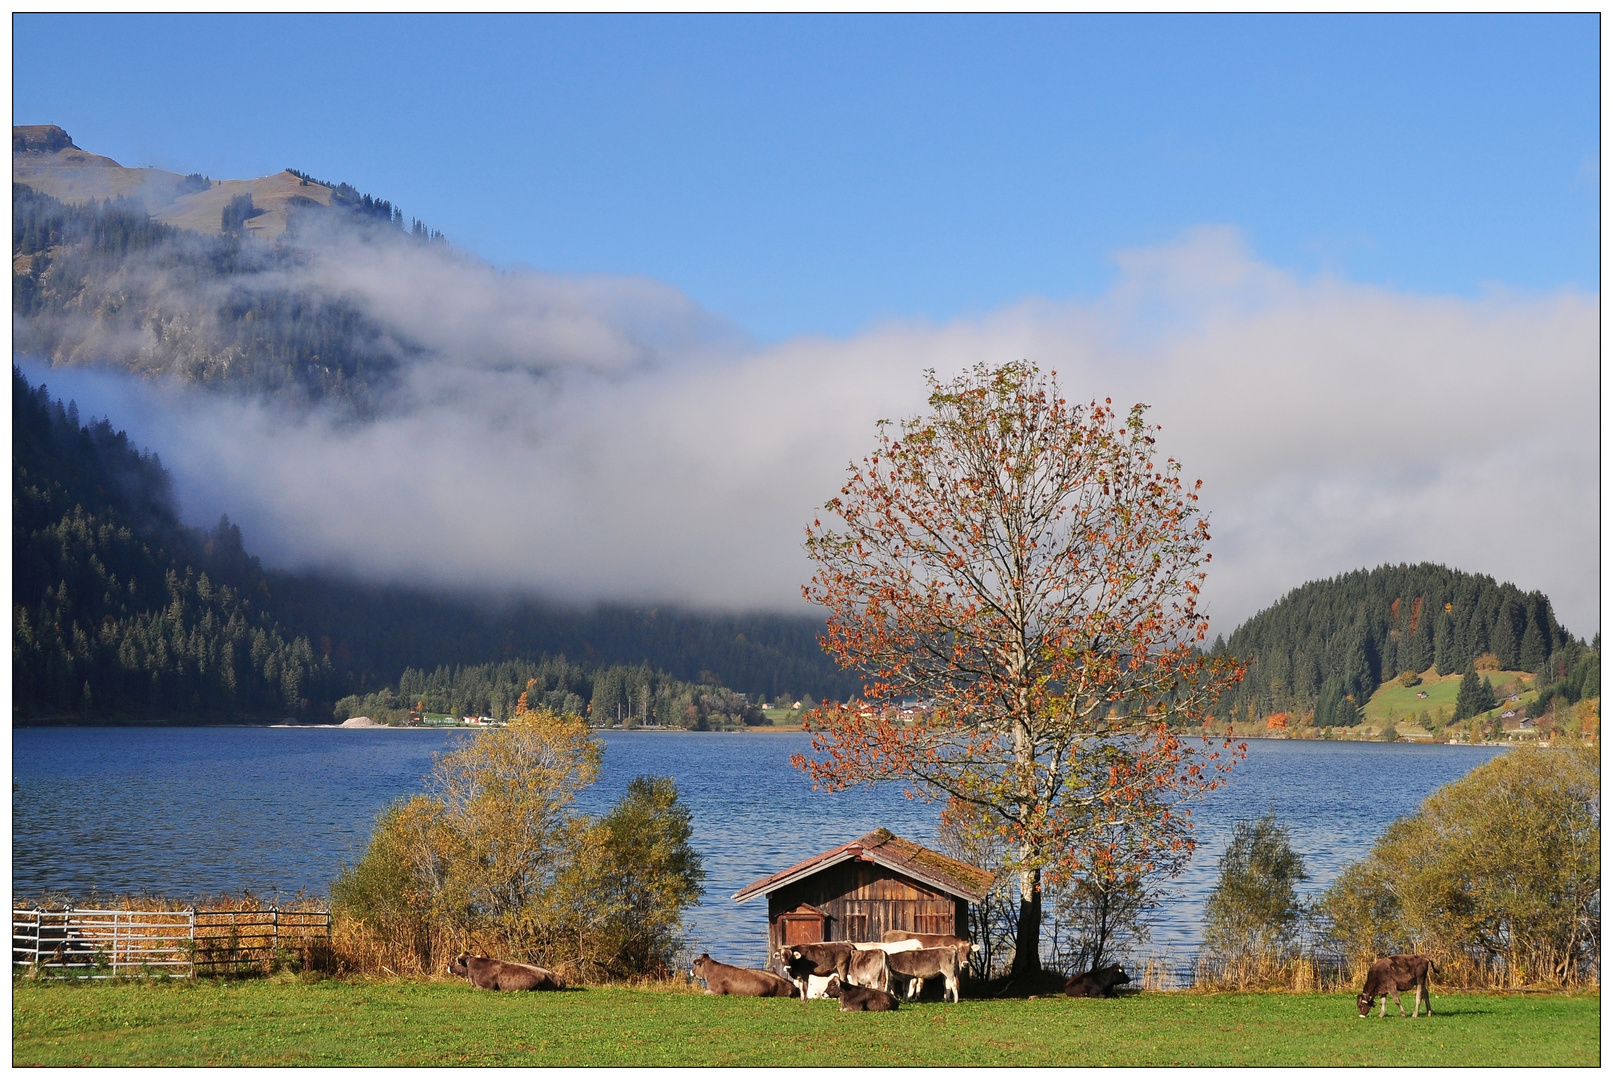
point(1323, 649)
point(122, 611)
point(118, 608)
point(618, 694)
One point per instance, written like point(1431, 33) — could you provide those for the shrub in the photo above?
point(493, 858)
point(1253, 917)
point(1409, 678)
point(1497, 875)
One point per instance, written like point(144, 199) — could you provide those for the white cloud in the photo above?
point(606, 438)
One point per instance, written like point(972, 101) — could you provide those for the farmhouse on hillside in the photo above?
point(861, 889)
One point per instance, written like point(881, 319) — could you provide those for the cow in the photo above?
point(1392, 974)
point(820, 958)
point(870, 968)
point(933, 941)
point(741, 982)
point(924, 964)
point(860, 998)
point(485, 974)
point(1099, 982)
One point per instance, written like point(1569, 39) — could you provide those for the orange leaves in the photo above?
point(1025, 572)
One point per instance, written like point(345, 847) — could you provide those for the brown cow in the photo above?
point(741, 982)
point(870, 968)
point(818, 958)
point(860, 998)
point(1099, 982)
point(1391, 975)
point(924, 964)
point(485, 974)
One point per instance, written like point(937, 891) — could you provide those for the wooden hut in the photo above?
point(861, 889)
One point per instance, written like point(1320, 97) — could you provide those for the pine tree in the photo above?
point(1504, 636)
point(1473, 696)
point(1445, 653)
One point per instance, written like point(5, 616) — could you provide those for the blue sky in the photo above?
point(819, 175)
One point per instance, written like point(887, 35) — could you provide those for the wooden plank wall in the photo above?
point(864, 900)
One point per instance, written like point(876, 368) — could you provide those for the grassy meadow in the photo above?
point(1394, 702)
point(283, 1021)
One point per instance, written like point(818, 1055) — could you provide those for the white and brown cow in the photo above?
point(821, 958)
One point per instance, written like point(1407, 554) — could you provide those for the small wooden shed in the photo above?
point(861, 889)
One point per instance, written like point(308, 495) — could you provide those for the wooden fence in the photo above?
point(97, 943)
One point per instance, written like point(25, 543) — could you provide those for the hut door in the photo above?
point(803, 926)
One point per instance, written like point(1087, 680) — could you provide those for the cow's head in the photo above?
point(1363, 1002)
point(698, 968)
point(833, 989)
point(457, 965)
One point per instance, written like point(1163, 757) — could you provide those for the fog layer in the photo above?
point(607, 439)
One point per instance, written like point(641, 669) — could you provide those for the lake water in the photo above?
point(187, 812)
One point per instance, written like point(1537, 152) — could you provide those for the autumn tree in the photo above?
point(493, 856)
point(1028, 572)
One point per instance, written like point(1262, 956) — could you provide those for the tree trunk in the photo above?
point(1028, 938)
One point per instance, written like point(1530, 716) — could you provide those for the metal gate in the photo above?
point(97, 943)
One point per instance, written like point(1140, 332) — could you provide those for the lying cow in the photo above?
point(485, 974)
point(921, 964)
point(822, 958)
point(741, 982)
point(1099, 982)
point(860, 998)
point(1391, 975)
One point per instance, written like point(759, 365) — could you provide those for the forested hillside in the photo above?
point(617, 694)
point(119, 610)
point(1328, 645)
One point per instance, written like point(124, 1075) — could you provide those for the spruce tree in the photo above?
point(1504, 637)
point(1445, 655)
point(1471, 694)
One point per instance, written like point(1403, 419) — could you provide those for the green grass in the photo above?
point(401, 1022)
point(1391, 700)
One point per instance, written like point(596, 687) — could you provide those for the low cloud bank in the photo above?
point(607, 439)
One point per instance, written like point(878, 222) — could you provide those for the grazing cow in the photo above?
point(870, 968)
point(1391, 975)
point(1099, 982)
point(819, 958)
point(485, 974)
point(741, 982)
point(860, 998)
point(924, 964)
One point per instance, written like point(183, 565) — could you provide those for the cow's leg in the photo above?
point(1383, 1006)
point(952, 988)
point(1399, 1006)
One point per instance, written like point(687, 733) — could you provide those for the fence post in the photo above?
point(191, 930)
point(114, 944)
point(274, 937)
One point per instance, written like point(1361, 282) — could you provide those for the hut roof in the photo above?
point(882, 847)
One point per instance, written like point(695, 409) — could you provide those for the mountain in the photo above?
point(1324, 648)
point(120, 611)
point(197, 280)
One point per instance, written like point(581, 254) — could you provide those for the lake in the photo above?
point(192, 811)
